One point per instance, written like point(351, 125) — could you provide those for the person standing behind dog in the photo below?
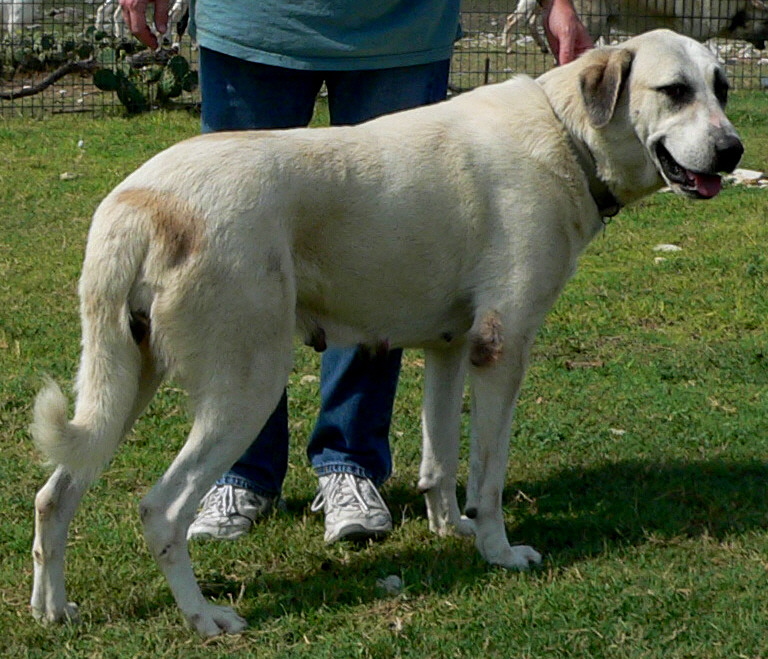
point(261, 67)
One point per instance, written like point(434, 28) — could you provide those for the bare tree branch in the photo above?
point(81, 66)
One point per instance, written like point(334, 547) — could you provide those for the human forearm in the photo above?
point(567, 36)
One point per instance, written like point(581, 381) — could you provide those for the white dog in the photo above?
point(452, 227)
point(700, 19)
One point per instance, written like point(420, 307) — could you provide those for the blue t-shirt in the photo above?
point(328, 35)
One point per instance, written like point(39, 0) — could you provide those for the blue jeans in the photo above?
point(357, 389)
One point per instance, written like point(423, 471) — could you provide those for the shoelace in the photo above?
point(223, 500)
point(336, 485)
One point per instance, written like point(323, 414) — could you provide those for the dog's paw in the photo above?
point(519, 557)
point(215, 620)
point(69, 613)
point(522, 557)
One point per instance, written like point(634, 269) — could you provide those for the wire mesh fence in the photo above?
point(77, 56)
point(505, 37)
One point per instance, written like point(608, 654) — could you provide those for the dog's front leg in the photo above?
point(440, 419)
point(495, 388)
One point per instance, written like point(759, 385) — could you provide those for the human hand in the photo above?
point(135, 17)
point(567, 36)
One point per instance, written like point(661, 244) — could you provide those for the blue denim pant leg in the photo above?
point(357, 389)
point(240, 95)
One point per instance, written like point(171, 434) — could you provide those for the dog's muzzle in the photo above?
point(701, 185)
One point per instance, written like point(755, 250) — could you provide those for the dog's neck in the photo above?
point(607, 203)
point(561, 90)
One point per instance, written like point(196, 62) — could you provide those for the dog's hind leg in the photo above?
point(495, 388)
point(115, 380)
point(444, 374)
point(231, 407)
point(55, 505)
point(57, 500)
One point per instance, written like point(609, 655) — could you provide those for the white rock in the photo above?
point(392, 584)
point(745, 177)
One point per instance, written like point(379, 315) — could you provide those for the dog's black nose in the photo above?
point(729, 152)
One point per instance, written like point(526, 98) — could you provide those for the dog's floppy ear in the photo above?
point(601, 82)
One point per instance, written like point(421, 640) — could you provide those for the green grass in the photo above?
point(637, 463)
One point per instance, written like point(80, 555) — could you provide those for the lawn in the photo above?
point(638, 460)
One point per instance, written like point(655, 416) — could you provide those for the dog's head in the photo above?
point(651, 112)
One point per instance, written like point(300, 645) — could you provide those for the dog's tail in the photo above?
point(116, 367)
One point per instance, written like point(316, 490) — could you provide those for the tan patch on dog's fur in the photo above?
point(487, 341)
point(176, 226)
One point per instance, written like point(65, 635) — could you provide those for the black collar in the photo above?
point(607, 204)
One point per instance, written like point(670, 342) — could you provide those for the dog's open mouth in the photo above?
point(692, 184)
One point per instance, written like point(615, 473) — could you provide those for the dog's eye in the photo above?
point(678, 92)
point(721, 89)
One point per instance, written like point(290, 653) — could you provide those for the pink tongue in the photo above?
point(707, 185)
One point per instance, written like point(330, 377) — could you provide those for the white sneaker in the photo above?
point(354, 509)
point(228, 512)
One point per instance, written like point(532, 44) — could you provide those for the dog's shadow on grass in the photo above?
point(570, 516)
point(576, 513)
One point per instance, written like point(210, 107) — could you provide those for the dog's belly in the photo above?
point(386, 324)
